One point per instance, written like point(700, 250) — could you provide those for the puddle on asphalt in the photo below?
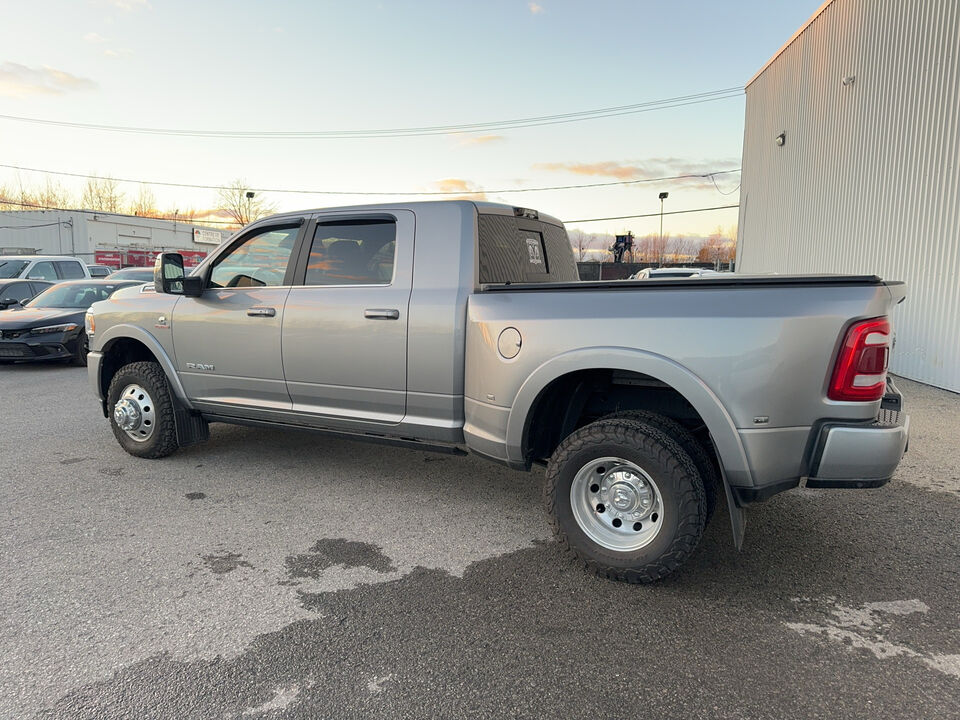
point(335, 551)
point(222, 564)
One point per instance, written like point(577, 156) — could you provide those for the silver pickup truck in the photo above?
point(452, 325)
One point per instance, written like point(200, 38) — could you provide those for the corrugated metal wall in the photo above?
point(868, 180)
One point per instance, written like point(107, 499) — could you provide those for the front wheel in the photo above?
point(83, 349)
point(625, 499)
point(141, 410)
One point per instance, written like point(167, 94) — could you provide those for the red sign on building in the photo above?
point(113, 259)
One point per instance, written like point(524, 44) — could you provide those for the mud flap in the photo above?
point(191, 428)
point(738, 516)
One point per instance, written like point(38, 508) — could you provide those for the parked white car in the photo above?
point(42, 267)
point(672, 272)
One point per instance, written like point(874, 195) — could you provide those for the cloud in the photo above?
point(19, 81)
point(646, 169)
point(92, 37)
point(470, 190)
point(480, 139)
point(125, 5)
point(122, 52)
point(535, 8)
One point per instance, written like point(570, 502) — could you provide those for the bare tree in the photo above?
point(718, 248)
point(50, 196)
point(8, 199)
point(658, 248)
point(53, 195)
point(145, 203)
point(581, 243)
point(680, 249)
point(243, 205)
point(102, 194)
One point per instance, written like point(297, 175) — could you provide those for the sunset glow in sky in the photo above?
point(296, 66)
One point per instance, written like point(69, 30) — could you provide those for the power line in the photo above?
point(461, 128)
point(655, 214)
point(187, 221)
point(388, 193)
point(721, 191)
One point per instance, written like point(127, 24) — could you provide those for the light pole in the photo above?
point(250, 195)
point(663, 196)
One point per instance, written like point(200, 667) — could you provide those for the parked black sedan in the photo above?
point(50, 327)
point(17, 292)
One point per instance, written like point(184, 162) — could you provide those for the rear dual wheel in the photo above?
point(626, 499)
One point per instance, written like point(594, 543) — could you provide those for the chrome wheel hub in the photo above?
point(134, 413)
point(616, 504)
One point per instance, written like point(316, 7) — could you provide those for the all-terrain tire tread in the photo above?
point(685, 439)
point(164, 441)
point(651, 439)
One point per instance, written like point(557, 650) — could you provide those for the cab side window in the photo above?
point(353, 252)
point(259, 261)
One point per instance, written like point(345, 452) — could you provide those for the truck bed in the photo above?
point(733, 281)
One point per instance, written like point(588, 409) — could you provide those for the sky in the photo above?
point(240, 65)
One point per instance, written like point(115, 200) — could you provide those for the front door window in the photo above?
point(259, 261)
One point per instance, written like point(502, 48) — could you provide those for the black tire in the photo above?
point(670, 467)
point(83, 348)
point(685, 439)
point(150, 376)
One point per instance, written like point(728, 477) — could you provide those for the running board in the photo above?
point(346, 434)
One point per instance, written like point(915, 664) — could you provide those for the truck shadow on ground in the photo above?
point(531, 634)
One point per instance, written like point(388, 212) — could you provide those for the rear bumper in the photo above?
point(859, 456)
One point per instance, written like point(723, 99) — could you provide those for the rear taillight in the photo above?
point(861, 370)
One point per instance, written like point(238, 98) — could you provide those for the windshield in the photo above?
point(145, 274)
point(79, 296)
point(11, 268)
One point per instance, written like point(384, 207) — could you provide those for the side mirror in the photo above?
point(169, 277)
point(168, 273)
point(7, 303)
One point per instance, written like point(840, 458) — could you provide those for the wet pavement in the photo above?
point(285, 575)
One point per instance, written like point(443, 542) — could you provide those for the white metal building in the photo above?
point(104, 238)
point(851, 164)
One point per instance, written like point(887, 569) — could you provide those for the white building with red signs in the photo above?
point(100, 238)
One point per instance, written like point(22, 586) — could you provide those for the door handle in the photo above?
point(261, 312)
point(379, 314)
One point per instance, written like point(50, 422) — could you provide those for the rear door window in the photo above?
point(38, 287)
point(17, 291)
point(352, 252)
point(70, 270)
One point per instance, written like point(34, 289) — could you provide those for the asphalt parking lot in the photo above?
point(276, 574)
